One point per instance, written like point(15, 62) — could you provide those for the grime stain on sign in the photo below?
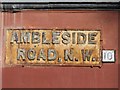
point(53, 47)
